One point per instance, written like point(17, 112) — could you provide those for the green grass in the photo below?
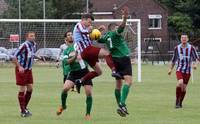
point(149, 102)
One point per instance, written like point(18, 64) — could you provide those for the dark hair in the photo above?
point(111, 25)
point(87, 16)
point(65, 35)
point(184, 33)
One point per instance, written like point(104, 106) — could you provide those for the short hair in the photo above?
point(111, 25)
point(65, 35)
point(184, 34)
point(30, 32)
point(87, 16)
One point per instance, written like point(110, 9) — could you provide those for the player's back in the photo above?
point(116, 44)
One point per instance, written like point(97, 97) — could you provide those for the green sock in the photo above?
point(88, 104)
point(117, 95)
point(63, 99)
point(125, 91)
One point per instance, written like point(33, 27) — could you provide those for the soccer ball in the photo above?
point(95, 34)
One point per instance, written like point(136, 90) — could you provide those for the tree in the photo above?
point(185, 14)
point(55, 9)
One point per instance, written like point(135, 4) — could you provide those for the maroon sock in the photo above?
point(109, 62)
point(178, 94)
point(27, 97)
point(21, 99)
point(182, 96)
point(89, 76)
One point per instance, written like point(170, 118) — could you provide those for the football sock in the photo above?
point(88, 104)
point(27, 97)
point(125, 91)
point(182, 96)
point(117, 95)
point(109, 62)
point(63, 99)
point(89, 76)
point(21, 99)
point(178, 94)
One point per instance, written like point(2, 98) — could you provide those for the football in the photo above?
point(95, 34)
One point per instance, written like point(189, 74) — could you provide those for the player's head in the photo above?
point(68, 37)
point(30, 36)
point(87, 20)
point(112, 26)
point(184, 38)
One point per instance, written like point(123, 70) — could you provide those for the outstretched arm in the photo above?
point(124, 16)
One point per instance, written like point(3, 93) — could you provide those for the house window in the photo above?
point(155, 21)
point(153, 39)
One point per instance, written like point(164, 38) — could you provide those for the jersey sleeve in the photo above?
point(65, 57)
point(194, 54)
point(119, 30)
point(19, 50)
point(102, 40)
point(175, 55)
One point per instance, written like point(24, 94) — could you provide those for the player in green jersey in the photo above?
point(66, 67)
point(78, 68)
point(119, 50)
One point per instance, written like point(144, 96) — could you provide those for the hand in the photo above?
point(194, 66)
point(21, 69)
point(170, 72)
point(58, 64)
point(125, 12)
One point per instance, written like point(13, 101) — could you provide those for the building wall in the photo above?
point(139, 9)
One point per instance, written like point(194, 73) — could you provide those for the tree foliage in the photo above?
point(184, 14)
point(55, 9)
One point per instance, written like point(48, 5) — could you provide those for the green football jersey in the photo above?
point(116, 43)
point(78, 64)
point(66, 68)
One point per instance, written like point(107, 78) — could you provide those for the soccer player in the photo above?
point(88, 52)
point(78, 68)
point(119, 50)
point(66, 67)
point(23, 60)
point(184, 54)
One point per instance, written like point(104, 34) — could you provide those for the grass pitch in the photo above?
point(149, 102)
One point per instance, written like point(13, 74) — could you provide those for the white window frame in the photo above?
point(155, 16)
point(159, 39)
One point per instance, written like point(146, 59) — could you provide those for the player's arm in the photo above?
point(124, 20)
point(14, 59)
point(71, 59)
point(195, 58)
point(174, 59)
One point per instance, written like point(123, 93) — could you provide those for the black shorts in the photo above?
point(65, 78)
point(123, 65)
point(74, 75)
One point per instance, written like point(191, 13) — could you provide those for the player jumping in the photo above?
point(119, 50)
point(184, 54)
point(88, 52)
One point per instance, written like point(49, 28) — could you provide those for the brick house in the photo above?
point(153, 16)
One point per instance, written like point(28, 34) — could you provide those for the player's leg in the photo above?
point(88, 76)
point(118, 90)
point(125, 91)
point(21, 99)
point(179, 87)
point(68, 84)
point(29, 90)
point(105, 54)
point(185, 82)
point(178, 93)
point(88, 92)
